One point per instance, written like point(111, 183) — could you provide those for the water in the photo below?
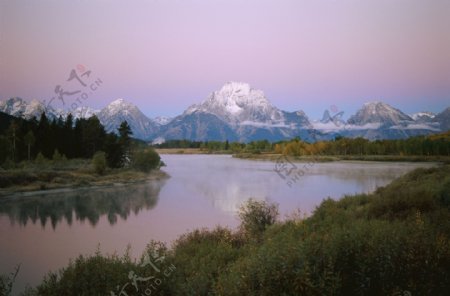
point(42, 232)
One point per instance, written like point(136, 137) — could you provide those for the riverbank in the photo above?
point(38, 178)
point(190, 151)
point(326, 158)
point(267, 156)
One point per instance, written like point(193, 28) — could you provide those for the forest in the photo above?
point(22, 140)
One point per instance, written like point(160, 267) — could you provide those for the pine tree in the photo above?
point(29, 141)
point(125, 141)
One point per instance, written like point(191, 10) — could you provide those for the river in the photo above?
point(41, 232)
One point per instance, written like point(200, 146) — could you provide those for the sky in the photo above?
point(164, 55)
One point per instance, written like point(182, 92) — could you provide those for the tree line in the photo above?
point(63, 138)
point(438, 144)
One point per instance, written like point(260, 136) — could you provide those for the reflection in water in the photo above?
point(228, 182)
point(83, 204)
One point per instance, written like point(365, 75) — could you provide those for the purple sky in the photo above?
point(166, 55)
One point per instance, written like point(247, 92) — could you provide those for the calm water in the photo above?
point(42, 232)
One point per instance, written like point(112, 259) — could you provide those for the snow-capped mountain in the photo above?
point(377, 120)
point(118, 111)
point(162, 120)
point(443, 119)
point(237, 111)
point(423, 116)
point(18, 107)
point(237, 103)
point(379, 113)
point(83, 112)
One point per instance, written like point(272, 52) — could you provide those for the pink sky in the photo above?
point(164, 55)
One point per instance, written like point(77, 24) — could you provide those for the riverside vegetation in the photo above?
point(394, 241)
point(40, 155)
point(421, 148)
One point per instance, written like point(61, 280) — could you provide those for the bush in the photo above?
point(57, 157)
point(40, 159)
point(146, 160)
point(7, 282)
point(99, 162)
point(255, 217)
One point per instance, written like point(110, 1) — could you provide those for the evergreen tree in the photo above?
point(44, 144)
point(93, 134)
point(29, 141)
point(125, 140)
point(113, 150)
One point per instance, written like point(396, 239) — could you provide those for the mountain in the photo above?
point(237, 111)
point(198, 126)
point(162, 120)
point(118, 111)
point(18, 107)
point(237, 103)
point(378, 113)
point(83, 112)
point(423, 116)
point(443, 119)
point(377, 120)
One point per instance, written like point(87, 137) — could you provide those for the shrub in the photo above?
point(255, 217)
point(146, 160)
point(57, 157)
point(40, 159)
point(99, 162)
point(7, 282)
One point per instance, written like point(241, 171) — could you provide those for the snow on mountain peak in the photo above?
point(117, 102)
point(425, 115)
point(84, 112)
point(162, 120)
point(237, 102)
point(119, 106)
point(378, 112)
point(120, 110)
point(235, 87)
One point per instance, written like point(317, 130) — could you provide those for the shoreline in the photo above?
point(331, 158)
point(306, 158)
point(121, 178)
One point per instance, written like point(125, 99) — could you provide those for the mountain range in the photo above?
point(238, 112)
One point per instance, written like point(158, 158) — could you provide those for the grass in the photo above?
point(395, 241)
point(75, 173)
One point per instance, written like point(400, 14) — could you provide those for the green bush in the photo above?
point(255, 217)
point(99, 162)
point(40, 159)
point(146, 160)
point(7, 282)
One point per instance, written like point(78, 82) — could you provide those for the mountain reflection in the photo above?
point(82, 204)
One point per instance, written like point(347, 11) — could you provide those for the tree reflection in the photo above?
point(83, 204)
